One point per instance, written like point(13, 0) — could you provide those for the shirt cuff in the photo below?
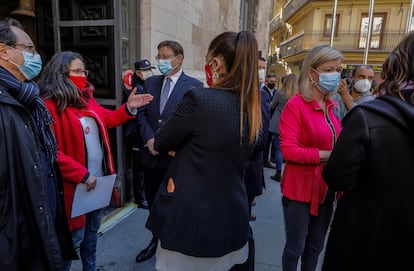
point(131, 112)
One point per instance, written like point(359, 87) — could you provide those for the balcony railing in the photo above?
point(344, 42)
point(274, 24)
point(273, 59)
point(292, 7)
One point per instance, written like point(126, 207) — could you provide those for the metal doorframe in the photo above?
point(116, 23)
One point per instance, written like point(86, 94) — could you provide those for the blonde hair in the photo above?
point(289, 85)
point(316, 57)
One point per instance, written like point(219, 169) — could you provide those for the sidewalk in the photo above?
point(123, 235)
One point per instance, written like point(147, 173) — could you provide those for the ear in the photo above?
point(180, 58)
point(3, 51)
point(311, 75)
point(216, 64)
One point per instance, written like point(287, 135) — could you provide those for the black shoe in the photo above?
point(277, 176)
point(147, 253)
point(269, 164)
point(143, 204)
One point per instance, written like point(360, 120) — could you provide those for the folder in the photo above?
point(97, 198)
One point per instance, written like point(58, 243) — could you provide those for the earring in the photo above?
point(215, 76)
point(312, 81)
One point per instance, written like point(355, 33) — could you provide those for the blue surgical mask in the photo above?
point(165, 66)
point(32, 65)
point(328, 81)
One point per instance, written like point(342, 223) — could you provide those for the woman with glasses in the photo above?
point(80, 126)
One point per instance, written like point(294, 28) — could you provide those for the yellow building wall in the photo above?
point(310, 18)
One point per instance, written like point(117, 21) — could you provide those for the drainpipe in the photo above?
point(333, 23)
point(368, 40)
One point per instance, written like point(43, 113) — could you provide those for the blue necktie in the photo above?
point(164, 94)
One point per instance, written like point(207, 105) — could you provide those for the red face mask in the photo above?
point(79, 81)
point(209, 74)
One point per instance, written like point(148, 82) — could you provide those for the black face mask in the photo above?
point(271, 85)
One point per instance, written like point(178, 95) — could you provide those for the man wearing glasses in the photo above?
point(34, 233)
point(167, 89)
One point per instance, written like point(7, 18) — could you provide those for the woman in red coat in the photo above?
point(80, 126)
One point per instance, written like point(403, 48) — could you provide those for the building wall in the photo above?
point(194, 23)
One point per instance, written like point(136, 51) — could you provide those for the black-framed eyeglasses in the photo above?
point(80, 72)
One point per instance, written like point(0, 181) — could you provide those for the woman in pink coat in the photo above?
point(308, 131)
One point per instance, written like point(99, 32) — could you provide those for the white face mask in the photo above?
point(362, 86)
point(146, 74)
point(262, 74)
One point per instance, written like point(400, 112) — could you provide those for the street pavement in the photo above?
point(123, 235)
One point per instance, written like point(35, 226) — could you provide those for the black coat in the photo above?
point(29, 239)
point(373, 159)
point(207, 215)
point(255, 177)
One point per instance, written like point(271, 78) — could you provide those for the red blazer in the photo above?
point(304, 131)
point(72, 155)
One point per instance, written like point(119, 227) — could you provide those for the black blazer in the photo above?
point(207, 215)
point(373, 162)
point(149, 119)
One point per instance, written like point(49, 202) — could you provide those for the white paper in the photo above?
point(99, 197)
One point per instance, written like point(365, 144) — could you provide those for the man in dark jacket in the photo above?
point(34, 233)
point(168, 90)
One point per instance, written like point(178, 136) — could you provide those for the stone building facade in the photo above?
point(113, 34)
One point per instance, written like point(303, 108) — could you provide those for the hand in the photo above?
point(150, 146)
point(90, 183)
point(324, 155)
point(138, 100)
point(345, 95)
point(343, 87)
point(171, 153)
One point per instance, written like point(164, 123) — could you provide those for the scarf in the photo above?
point(407, 92)
point(86, 93)
point(27, 93)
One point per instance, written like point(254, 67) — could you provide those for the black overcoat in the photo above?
point(29, 239)
point(372, 161)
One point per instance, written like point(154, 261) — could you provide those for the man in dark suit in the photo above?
point(269, 90)
point(167, 89)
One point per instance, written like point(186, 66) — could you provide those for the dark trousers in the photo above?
point(305, 233)
point(269, 148)
point(137, 177)
point(153, 178)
